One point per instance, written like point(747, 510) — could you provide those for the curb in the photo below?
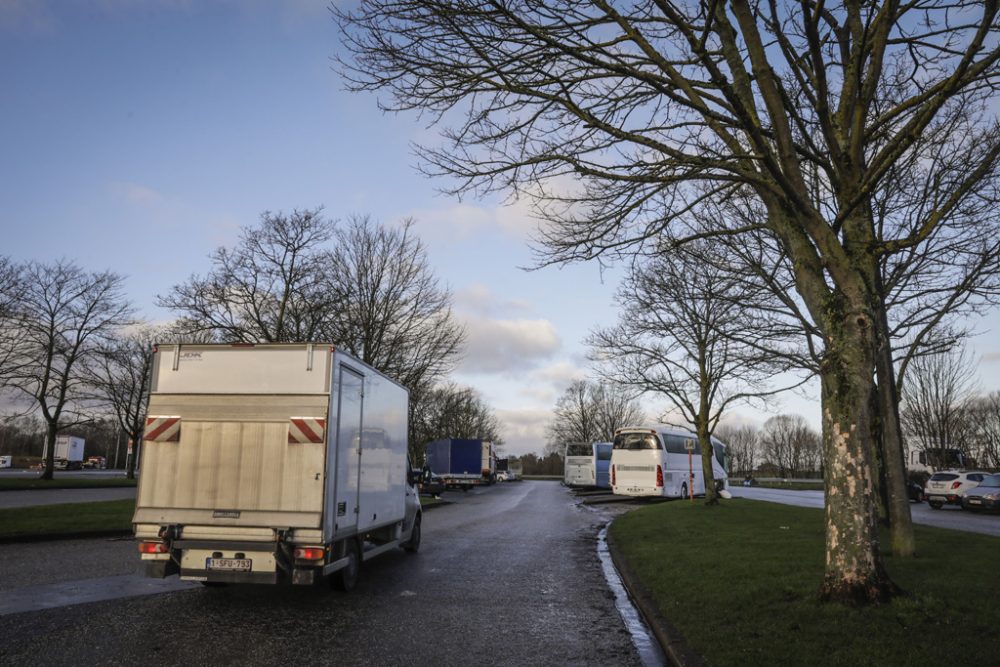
point(669, 638)
point(53, 537)
point(442, 503)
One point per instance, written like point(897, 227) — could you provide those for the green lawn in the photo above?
point(69, 519)
point(26, 483)
point(795, 486)
point(740, 582)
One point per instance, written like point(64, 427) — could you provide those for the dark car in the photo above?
point(430, 484)
point(986, 496)
point(915, 491)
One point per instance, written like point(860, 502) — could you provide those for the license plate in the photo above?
point(975, 501)
point(228, 564)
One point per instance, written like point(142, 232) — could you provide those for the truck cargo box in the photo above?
point(251, 451)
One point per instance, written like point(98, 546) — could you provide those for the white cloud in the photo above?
point(463, 221)
point(136, 193)
point(478, 300)
point(524, 430)
point(507, 345)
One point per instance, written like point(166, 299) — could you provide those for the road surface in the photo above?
point(505, 575)
point(951, 517)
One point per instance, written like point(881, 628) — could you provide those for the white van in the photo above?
point(662, 461)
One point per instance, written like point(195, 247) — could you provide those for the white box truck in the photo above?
point(277, 463)
point(68, 452)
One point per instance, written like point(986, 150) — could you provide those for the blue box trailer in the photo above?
point(457, 461)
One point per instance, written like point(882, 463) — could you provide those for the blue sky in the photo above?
point(140, 135)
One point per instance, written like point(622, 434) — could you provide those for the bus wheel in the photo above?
point(684, 490)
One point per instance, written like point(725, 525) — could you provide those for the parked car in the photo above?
point(501, 475)
point(915, 491)
point(946, 487)
point(986, 496)
point(430, 484)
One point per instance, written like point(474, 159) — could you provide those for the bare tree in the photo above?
point(451, 411)
point(121, 374)
point(787, 442)
point(742, 447)
point(394, 314)
point(590, 411)
point(269, 288)
point(10, 280)
point(639, 103)
point(63, 316)
point(936, 389)
point(983, 415)
point(364, 287)
point(682, 335)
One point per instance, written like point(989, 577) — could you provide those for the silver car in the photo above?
point(946, 487)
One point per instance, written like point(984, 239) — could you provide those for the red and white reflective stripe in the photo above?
point(162, 429)
point(306, 429)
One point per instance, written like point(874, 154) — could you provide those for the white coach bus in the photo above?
point(655, 461)
point(586, 464)
point(579, 464)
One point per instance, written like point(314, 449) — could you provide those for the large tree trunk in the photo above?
point(898, 499)
point(49, 464)
point(705, 446)
point(854, 569)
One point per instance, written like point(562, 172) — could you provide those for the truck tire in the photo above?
point(412, 545)
point(346, 578)
point(684, 490)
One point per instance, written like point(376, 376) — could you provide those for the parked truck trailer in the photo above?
point(460, 462)
point(277, 463)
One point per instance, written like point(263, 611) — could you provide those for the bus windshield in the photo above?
point(637, 441)
point(579, 449)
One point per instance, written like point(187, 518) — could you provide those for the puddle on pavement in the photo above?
point(649, 650)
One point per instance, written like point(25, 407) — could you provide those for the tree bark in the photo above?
point(854, 572)
point(898, 505)
point(707, 452)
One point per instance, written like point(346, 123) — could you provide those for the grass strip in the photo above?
point(67, 519)
point(740, 582)
point(794, 486)
point(33, 483)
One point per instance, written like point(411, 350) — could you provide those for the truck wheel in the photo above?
point(413, 544)
point(684, 490)
point(346, 578)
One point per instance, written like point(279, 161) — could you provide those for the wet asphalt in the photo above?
point(506, 575)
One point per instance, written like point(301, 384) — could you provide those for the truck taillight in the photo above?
point(613, 480)
point(152, 548)
point(659, 476)
point(309, 553)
